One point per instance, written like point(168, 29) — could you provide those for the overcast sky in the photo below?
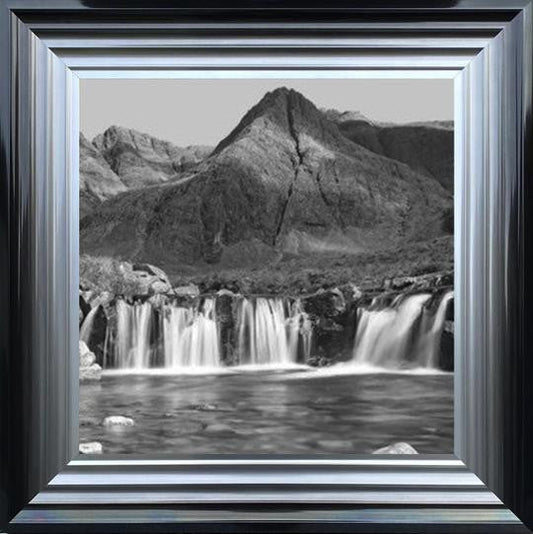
point(190, 112)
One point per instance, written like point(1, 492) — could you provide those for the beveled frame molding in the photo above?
point(45, 46)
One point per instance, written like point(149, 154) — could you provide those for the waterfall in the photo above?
point(190, 336)
point(262, 331)
point(269, 331)
point(132, 345)
point(406, 332)
point(87, 325)
point(430, 332)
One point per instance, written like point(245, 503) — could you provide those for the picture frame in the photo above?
point(46, 46)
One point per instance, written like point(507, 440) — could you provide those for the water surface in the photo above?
point(290, 411)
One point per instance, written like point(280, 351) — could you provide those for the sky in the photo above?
point(203, 111)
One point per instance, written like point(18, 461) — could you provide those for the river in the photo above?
point(296, 410)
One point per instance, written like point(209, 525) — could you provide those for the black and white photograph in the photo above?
point(266, 266)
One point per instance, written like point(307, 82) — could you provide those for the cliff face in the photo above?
point(427, 147)
point(286, 180)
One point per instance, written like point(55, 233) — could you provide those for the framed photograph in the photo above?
point(266, 267)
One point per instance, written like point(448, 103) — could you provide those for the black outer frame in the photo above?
point(496, 213)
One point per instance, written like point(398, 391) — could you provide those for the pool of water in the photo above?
point(291, 411)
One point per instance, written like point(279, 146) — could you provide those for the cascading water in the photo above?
point(430, 332)
point(132, 345)
point(87, 325)
point(404, 332)
point(190, 336)
point(270, 331)
point(263, 331)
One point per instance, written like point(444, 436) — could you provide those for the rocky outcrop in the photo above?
point(104, 278)
point(332, 316)
point(90, 371)
point(285, 180)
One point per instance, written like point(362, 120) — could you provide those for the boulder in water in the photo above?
point(92, 373)
point(397, 448)
point(87, 358)
point(91, 447)
point(118, 420)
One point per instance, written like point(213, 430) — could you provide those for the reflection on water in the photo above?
point(283, 412)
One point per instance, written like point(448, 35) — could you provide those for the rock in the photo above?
point(93, 373)
point(118, 420)
point(186, 291)
point(351, 292)
point(447, 343)
point(325, 303)
point(333, 326)
point(91, 447)
point(87, 358)
point(319, 361)
point(397, 448)
point(153, 279)
point(94, 332)
point(84, 306)
point(225, 312)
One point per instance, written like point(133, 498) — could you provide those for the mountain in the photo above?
point(285, 180)
point(98, 182)
point(121, 159)
point(140, 159)
point(426, 147)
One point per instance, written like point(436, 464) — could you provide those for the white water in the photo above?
point(87, 325)
point(190, 337)
point(269, 332)
point(132, 346)
point(404, 332)
point(430, 332)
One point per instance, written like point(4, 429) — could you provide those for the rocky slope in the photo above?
point(286, 180)
point(122, 159)
point(426, 147)
point(98, 182)
point(140, 159)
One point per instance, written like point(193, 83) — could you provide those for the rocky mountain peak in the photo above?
point(290, 112)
